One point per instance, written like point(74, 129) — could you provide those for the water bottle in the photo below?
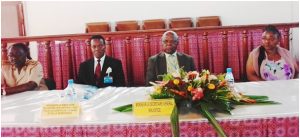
point(70, 91)
point(89, 91)
point(230, 79)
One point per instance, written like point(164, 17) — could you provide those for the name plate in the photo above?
point(158, 107)
point(61, 110)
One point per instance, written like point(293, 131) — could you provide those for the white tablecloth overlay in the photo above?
point(24, 109)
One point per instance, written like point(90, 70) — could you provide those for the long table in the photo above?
point(21, 114)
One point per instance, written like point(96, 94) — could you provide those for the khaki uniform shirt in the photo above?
point(32, 71)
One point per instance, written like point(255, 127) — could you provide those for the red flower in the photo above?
point(197, 94)
point(170, 84)
point(180, 93)
point(192, 75)
point(222, 83)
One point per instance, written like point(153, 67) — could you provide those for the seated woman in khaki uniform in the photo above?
point(20, 73)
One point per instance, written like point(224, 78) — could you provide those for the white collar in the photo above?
point(101, 62)
point(101, 59)
point(174, 54)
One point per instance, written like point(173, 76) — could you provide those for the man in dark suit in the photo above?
point(169, 60)
point(95, 71)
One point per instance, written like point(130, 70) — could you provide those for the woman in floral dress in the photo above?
point(270, 61)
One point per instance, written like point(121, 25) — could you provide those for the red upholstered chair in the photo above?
point(97, 27)
point(127, 25)
point(154, 24)
point(181, 22)
point(208, 21)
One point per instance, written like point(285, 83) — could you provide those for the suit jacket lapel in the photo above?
point(105, 66)
point(180, 60)
point(91, 70)
point(162, 63)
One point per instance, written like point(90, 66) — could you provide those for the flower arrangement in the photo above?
point(201, 91)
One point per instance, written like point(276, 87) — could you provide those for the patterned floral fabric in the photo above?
point(256, 127)
point(276, 70)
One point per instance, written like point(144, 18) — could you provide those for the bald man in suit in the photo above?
point(169, 60)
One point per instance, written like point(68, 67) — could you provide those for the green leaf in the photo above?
point(162, 95)
point(204, 111)
point(221, 77)
point(124, 108)
point(167, 77)
point(266, 102)
point(257, 103)
point(220, 106)
point(261, 100)
point(182, 72)
point(175, 122)
point(221, 91)
point(257, 97)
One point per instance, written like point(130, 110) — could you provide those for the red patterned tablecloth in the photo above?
point(265, 127)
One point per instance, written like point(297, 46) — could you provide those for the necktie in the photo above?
point(172, 64)
point(98, 70)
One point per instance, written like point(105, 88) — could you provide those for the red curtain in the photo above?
point(193, 49)
point(215, 44)
point(138, 61)
point(155, 44)
point(119, 52)
point(64, 63)
point(235, 52)
point(79, 55)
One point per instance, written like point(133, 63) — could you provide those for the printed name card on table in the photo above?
point(61, 110)
point(158, 107)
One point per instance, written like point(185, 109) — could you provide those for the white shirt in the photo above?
point(167, 55)
point(101, 62)
point(172, 66)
